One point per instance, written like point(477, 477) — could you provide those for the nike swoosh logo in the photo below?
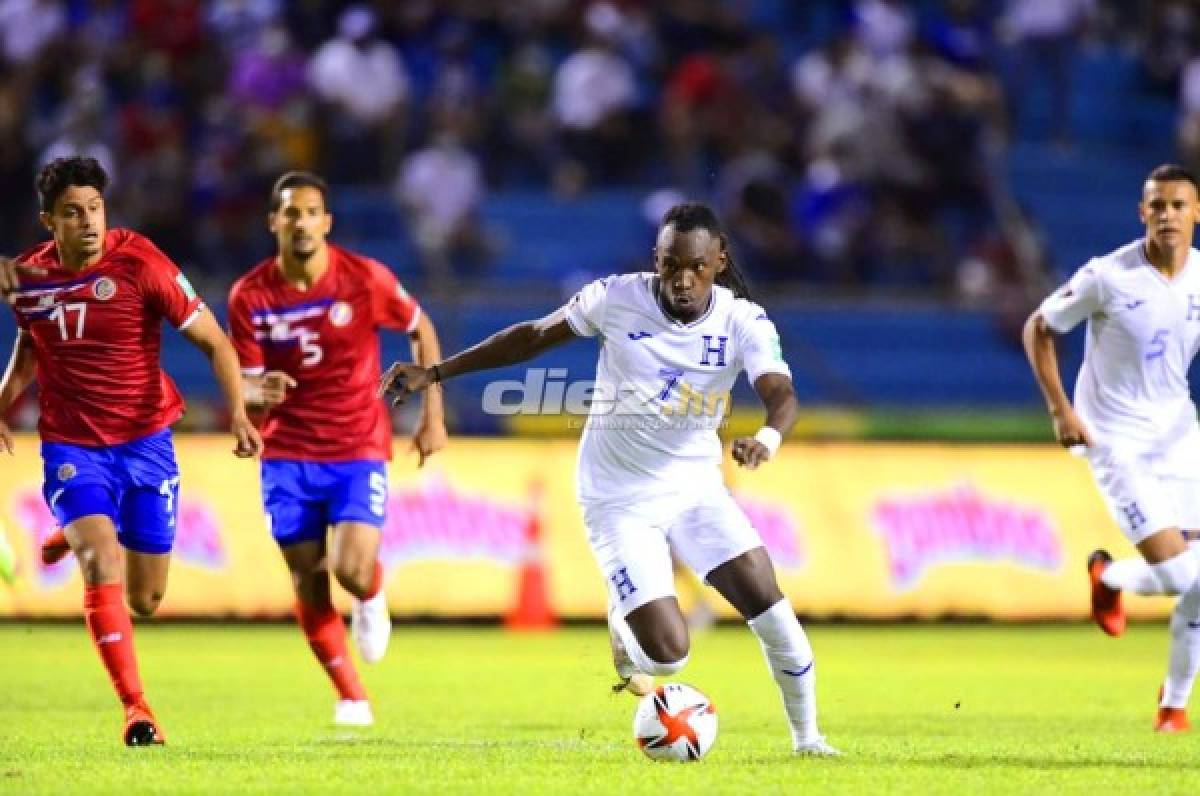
point(1133, 305)
point(639, 335)
point(800, 673)
point(1194, 625)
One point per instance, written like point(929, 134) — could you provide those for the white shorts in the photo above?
point(633, 543)
point(1149, 492)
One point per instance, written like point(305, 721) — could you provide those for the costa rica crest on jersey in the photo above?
point(340, 313)
point(104, 288)
point(66, 471)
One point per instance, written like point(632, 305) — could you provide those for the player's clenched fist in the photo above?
point(8, 278)
point(275, 385)
point(7, 445)
point(749, 452)
point(269, 389)
point(1069, 430)
point(403, 379)
point(249, 441)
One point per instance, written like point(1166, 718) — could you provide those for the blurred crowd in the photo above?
point(844, 143)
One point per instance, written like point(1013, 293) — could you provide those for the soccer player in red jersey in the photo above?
point(304, 323)
point(89, 307)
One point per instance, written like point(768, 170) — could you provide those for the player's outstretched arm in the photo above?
point(17, 376)
point(518, 343)
point(205, 333)
point(777, 394)
point(430, 434)
point(1038, 338)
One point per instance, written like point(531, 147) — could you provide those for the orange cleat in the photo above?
point(55, 547)
point(141, 728)
point(1170, 720)
point(1106, 602)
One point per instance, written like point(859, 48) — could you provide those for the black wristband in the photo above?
point(437, 374)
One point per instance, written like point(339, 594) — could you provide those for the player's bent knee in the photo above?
point(99, 565)
point(354, 576)
point(659, 669)
point(671, 647)
point(144, 603)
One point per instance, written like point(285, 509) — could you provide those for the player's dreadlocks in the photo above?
point(694, 215)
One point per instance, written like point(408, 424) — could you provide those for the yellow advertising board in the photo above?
point(855, 530)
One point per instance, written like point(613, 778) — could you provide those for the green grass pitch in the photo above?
point(916, 709)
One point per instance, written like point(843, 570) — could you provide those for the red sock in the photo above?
point(376, 581)
point(112, 632)
point(326, 634)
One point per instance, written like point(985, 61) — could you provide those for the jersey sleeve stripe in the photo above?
point(191, 318)
point(416, 318)
point(53, 287)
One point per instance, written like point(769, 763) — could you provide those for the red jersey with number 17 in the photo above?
point(96, 337)
point(326, 339)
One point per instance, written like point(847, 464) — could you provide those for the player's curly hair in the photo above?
point(61, 173)
point(298, 179)
point(693, 215)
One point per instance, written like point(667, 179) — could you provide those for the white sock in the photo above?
point(1131, 574)
point(1184, 659)
point(1174, 576)
point(790, 659)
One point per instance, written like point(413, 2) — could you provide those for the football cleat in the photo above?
point(371, 627)
point(1106, 602)
point(817, 748)
point(141, 728)
point(1170, 720)
point(629, 678)
point(55, 547)
point(353, 713)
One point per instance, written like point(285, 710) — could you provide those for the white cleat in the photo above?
point(630, 679)
point(371, 627)
point(817, 748)
point(353, 713)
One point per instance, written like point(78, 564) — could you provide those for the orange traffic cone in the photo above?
point(531, 610)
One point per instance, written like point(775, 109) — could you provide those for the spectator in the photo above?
point(1046, 34)
point(594, 94)
point(365, 87)
point(28, 27)
point(440, 188)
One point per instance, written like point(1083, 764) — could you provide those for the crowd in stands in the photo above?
point(845, 143)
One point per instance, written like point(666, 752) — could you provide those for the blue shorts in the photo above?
point(135, 484)
point(302, 499)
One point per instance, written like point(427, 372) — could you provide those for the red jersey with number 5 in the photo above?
point(96, 338)
point(326, 339)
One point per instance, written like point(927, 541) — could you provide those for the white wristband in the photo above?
point(770, 438)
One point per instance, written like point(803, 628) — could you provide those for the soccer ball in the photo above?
point(675, 722)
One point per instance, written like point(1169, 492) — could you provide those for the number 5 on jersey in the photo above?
point(310, 345)
point(1158, 344)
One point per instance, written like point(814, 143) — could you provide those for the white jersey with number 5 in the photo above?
point(1142, 334)
point(662, 387)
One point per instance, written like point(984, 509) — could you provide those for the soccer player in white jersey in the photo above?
point(1133, 418)
point(649, 470)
